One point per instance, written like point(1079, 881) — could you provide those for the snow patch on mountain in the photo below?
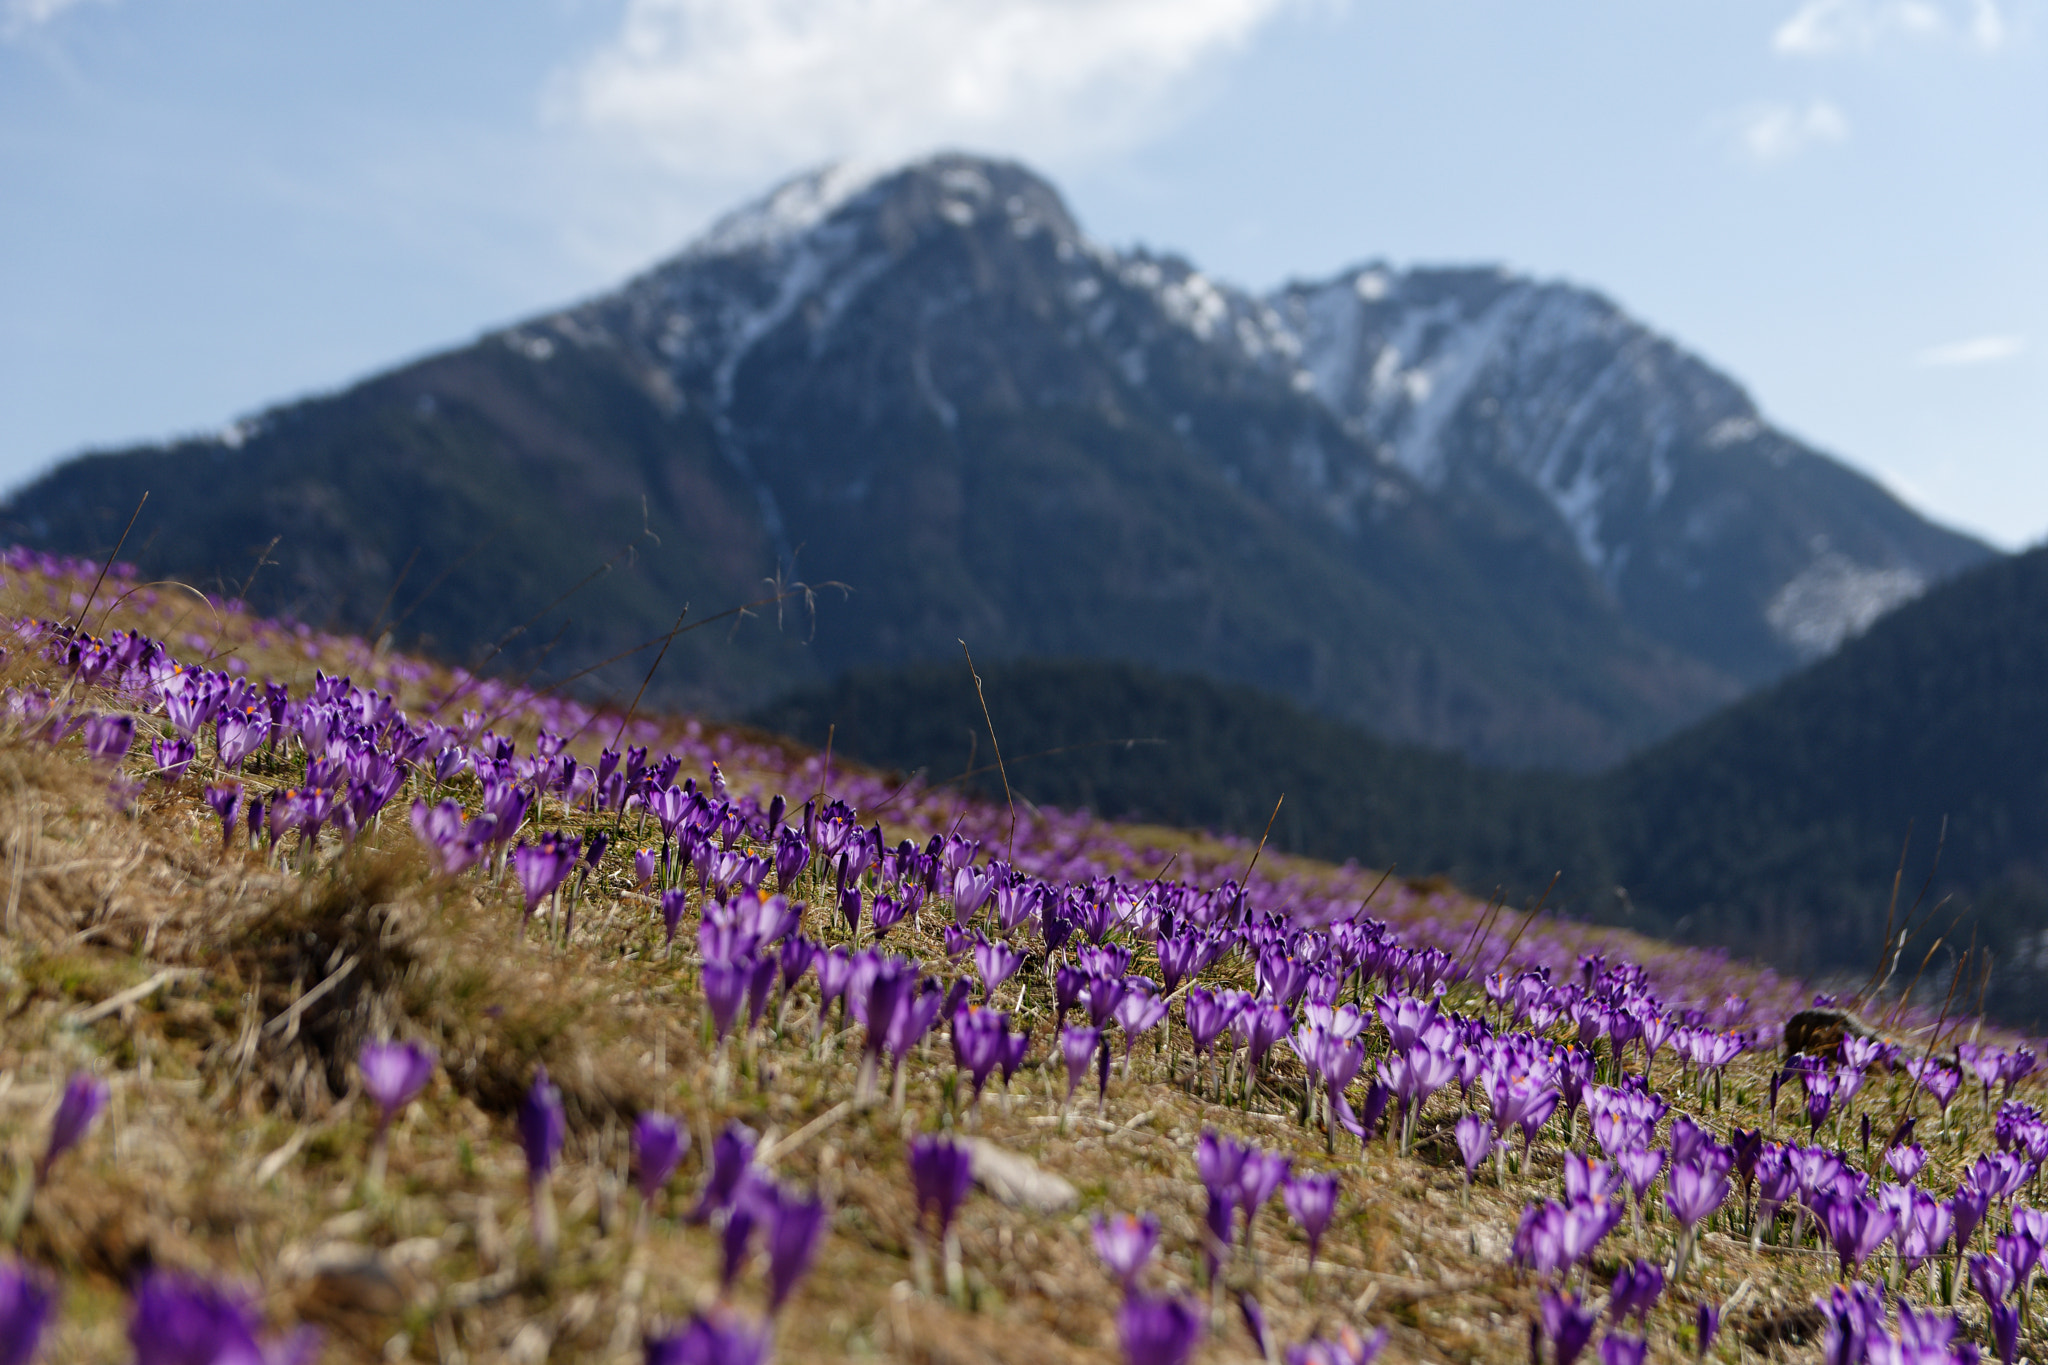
point(785, 213)
point(1834, 598)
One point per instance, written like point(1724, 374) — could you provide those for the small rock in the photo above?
point(348, 1275)
point(1019, 1181)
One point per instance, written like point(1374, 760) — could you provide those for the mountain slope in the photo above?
point(1777, 826)
point(931, 388)
point(1714, 532)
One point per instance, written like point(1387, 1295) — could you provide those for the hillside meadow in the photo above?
point(358, 1008)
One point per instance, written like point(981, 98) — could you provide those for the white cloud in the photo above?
point(1779, 131)
point(19, 16)
point(742, 86)
point(1975, 351)
point(1827, 28)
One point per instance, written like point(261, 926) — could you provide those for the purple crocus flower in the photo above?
point(2005, 1331)
point(673, 903)
point(1406, 1017)
point(1220, 1162)
point(1216, 1218)
point(541, 1126)
point(1856, 1224)
point(1967, 1208)
point(732, 1156)
point(1414, 1076)
point(1924, 1225)
point(542, 866)
point(1620, 1350)
point(1069, 984)
point(725, 990)
point(238, 735)
point(1906, 1161)
point(393, 1073)
point(108, 738)
point(1639, 1168)
point(1706, 1326)
point(2021, 1253)
point(1694, 1192)
point(1180, 957)
point(1941, 1082)
point(1254, 1320)
point(1568, 1325)
point(981, 1039)
point(1539, 1238)
point(717, 1338)
point(755, 1198)
point(1103, 995)
point(1125, 1242)
point(1924, 1335)
point(25, 1303)
point(891, 980)
point(997, 963)
point(942, 1171)
point(452, 842)
point(1208, 1014)
point(1475, 1140)
point(659, 1143)
point(1347, 1347)
point(1262, 1174)
point(1311, 1199)
point(1138, 1012)
point(1163, 1331)
point(178, 1320)
point(1851, 1318)
point(1078, 1044)
point(1260, 1024)
point(226, 801)
point(84, 1097)
point(1991, 1277)
point(1637, 1287)
point(172, 757)
point(793, 1232)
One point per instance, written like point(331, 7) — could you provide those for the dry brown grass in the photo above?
point(236, 1140)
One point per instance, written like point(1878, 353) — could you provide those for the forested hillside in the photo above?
point(1775, 828)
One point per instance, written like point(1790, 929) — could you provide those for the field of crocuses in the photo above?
point(358, 1008)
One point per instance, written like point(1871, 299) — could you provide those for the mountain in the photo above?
point(1454, 507)
point(1774, 828)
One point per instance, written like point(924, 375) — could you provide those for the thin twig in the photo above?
point(1024, 758)
point(113, 1004)
point(1906, 997)
point(1891, 908)
point(1246, 880)
point(1527, 919)
point(979, 695)
point(628, 717)
point(108, 562)
point(262, 558)
point(288, 1022)
point(396, 584)
point(471, 553)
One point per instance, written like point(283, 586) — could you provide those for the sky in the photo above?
point(215, 205)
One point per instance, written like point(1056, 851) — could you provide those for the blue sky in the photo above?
point(216, 204)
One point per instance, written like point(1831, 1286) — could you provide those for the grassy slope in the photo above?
point(235, 1142)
